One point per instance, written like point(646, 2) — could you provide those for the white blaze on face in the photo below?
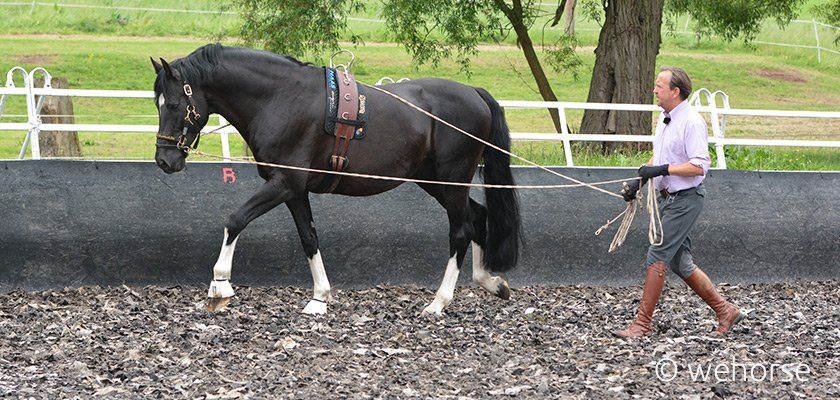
point(161, 100)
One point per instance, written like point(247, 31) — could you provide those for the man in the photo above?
point(679, 164)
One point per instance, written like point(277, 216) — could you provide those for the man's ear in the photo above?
point(170, 72)
point(157, 65)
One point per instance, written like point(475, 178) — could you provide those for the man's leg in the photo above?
point(654, 281)
point(678, 217)
point(727, 313)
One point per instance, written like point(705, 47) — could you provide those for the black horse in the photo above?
point(278, 105)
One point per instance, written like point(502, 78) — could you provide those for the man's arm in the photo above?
point(685, 169)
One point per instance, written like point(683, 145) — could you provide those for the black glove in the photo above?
point(650, 171)
point(630, 189)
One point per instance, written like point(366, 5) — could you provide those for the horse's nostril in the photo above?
point(161, 163)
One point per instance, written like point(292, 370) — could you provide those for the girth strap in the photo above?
point(346, 120)
point(346, 116)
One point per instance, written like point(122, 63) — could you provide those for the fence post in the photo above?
point(564, 131)
point(10, 83)
point(33, 120)
point(717, 131)
point(223, 135)
point(817, 36)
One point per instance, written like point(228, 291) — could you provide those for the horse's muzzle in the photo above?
point(170, 166)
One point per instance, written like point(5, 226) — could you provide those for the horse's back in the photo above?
point(451, 101)
point(457, 104)
point(406, 142)
point(435, 91)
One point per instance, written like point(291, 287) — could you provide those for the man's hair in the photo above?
point(679, 79)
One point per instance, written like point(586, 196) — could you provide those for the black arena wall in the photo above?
point(74, 223)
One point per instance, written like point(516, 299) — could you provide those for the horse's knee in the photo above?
point(459, 239)
point(309, 241)
point(462, 235)
point(235, 225)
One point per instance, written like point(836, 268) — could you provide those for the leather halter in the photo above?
point(180, 142)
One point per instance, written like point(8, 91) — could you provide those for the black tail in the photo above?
point(504, 224)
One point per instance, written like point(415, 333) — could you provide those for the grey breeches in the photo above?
point(679, 213)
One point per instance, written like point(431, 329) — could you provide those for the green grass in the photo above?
point(761, 77)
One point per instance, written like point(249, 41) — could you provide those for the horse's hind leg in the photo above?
point(493, 284)
point(272, 193)
point(455, 200)
point(302, 214)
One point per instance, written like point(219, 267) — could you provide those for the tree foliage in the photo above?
point(435, 30)
point(295, 27)
point(731, 19)
point(831, 13)
point(431, 31)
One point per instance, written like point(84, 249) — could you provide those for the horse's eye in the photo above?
point(173, 106)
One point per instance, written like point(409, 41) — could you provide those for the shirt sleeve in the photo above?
point(697, 144)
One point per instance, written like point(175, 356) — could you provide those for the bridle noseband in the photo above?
point(181, 141)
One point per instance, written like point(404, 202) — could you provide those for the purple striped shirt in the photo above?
point(684, 139)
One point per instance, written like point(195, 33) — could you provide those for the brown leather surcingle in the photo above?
point(346, 116)
point(345, 123)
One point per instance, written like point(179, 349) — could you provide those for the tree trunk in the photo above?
point(58, 110)
point(569, 18)
point(514, 15)
point(625, 63)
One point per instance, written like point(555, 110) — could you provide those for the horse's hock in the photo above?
point(74, 223)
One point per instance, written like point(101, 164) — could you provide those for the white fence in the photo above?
point(717, 115)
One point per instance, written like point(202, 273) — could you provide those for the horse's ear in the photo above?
point(170, 72)
point(157, 65)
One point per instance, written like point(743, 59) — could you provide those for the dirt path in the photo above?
point(546, 342)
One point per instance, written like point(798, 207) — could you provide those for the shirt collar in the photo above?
point(678, 109)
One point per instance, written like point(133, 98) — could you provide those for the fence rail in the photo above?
point(717, 113)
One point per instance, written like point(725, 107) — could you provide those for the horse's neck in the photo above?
point(242, 94)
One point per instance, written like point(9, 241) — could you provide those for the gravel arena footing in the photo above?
point(546, 342)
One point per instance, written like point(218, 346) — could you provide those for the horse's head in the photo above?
point(182, 113)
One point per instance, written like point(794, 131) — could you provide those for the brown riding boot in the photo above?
point(727, 313)
point(654, 281)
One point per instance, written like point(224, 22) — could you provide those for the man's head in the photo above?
point(672, 87)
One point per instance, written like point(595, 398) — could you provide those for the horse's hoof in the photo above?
point(216, 304)
point(431, 314)
point(219, 289)
point(503, 291)
point(432, 310)
point(315, 307)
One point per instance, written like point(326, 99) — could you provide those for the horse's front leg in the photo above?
point(271, 194)
point(302, 214)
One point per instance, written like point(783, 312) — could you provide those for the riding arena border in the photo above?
point(74, 223)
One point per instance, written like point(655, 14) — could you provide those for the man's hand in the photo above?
point(651, 171)
point(630, 189)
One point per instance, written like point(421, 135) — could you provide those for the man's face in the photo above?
point(666, 97)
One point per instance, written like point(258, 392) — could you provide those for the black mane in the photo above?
point(201, 64)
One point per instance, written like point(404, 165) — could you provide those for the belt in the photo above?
point(666, 193)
